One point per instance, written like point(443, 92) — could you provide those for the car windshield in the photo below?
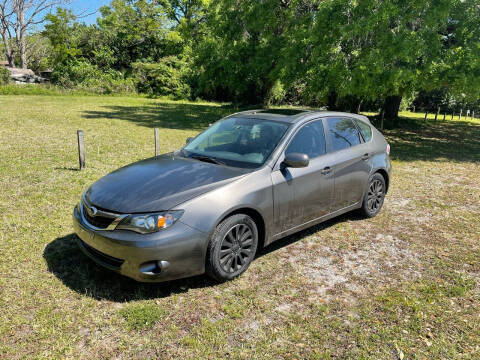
point(238, 142)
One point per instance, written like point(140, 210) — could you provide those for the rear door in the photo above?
point(304, 194)
point(351, 163)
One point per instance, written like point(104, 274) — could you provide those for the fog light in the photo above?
point(154, 267)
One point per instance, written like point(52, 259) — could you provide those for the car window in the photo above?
point(309, 140)
point(239, 142)
point(365, 129)
point(343, 133)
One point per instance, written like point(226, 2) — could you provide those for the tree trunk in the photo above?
point(437, 113)
point(21, 39)
point(332, 100)
point(8, 50)
point(357, 105)
point(391, 107)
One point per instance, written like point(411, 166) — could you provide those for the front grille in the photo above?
point(98, 221)
point(113, 262)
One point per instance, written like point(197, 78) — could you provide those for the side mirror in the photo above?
point(189, 139)
point(296, 160)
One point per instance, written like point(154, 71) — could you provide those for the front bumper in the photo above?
point(180, 249)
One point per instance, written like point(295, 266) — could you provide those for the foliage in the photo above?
point(4, 76)
point(85, 76)
point(59, 31)
point(342, 54)
point(165, 78)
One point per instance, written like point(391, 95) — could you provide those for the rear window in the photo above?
point(343, 133)
point(365, 129)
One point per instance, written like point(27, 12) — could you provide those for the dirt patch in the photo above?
point(382, 261)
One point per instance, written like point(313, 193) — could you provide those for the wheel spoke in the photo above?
point(225, 259)
point(247, 243)
point(228, 264)
point(246, 235)
point(241, 260)
point(247, 252)
point(240, 231)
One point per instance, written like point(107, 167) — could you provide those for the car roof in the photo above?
point(293, 116)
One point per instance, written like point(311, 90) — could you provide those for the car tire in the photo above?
point(232, 247)
point(374, 196)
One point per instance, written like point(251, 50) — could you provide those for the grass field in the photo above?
point(403, 285)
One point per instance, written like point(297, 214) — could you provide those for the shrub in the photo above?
point(84, 76)
point(4, 76)
point(165, 78)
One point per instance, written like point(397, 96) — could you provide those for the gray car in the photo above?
point(249, 179)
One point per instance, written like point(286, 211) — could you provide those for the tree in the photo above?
point(60, 30)
point(6, 13)
point(19, 17)
point(134, 31)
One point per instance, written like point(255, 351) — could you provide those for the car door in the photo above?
point(304, 194)
point(350, 162)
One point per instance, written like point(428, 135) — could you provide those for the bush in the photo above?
point(4, 76)
point(84, 76)
point(165, 78)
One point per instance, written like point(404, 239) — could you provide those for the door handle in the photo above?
point(326, 170)
point(366, 156)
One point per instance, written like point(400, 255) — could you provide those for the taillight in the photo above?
point(388, 149)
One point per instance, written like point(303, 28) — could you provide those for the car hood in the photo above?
point(159, 183)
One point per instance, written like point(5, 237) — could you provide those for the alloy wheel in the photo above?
point(375, 196)
point(236, 248)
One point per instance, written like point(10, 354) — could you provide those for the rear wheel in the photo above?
point(232, 247)
point(374, 196)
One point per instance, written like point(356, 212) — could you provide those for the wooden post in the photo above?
point(81, 149)
point(473, 114)
point(382, 117)
point(157, 142)
point(426, 114)
point(453, 115)
point(460, 116)
point(413, 108)
point(444, 116)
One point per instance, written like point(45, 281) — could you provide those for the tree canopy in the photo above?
point(338, 53)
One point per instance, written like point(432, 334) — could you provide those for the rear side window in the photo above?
point(365, 129)
point(343, 133)
point(309, 140)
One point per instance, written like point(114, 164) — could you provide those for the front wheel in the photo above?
point(374, 196)
point(232, 247)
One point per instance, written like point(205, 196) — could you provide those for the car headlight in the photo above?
point(148, 223)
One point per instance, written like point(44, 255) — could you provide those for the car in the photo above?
point(248, 180)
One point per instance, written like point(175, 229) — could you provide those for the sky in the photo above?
point(87, 7)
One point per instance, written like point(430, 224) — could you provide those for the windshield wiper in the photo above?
point(207, 159)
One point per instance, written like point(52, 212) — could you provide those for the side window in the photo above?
point(343, 133)
point(365, 129)
point(309, 140)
